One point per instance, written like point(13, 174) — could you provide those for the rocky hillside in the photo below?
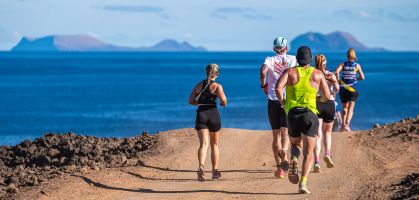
point(32, 162)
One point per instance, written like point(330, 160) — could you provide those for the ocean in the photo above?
point(123, 94)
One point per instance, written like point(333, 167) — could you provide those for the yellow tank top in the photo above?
point(302, 94)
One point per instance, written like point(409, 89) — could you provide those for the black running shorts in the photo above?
point(208, 119)
point(302, 121)
point(276, 114)
point(346, 95)
point(326, 111)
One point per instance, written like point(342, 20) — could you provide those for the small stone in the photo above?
point(377, 126)
point(84, 170)
point(96, 168)
point(44, 193)
point(12, 188)
point(140, 163)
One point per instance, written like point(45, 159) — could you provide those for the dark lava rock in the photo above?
point(408, 188)
point(31, 163)
point(407, 129)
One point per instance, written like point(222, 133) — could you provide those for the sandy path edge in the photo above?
point(247, 166)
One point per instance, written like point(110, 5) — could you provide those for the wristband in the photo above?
point(263, 86)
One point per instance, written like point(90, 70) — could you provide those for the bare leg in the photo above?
point(339, 118)
point(327, 131)
point(308, 148)
point(327, 134)
point(319, 139)
point(285, 142)
point(345, 109)
point(295, 147)
point(203, 135)
point(276, 145)
point(351, 106)
point(214, 137)
point(295, 153)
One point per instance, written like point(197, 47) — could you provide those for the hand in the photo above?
point(282, 103)
point(222, 104)
point(265, 90)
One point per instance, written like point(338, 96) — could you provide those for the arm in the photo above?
point(192, 97)
point(221, 95)
point(335, 82)
point(338, 70)
point(324, 88)
point(279, 87)
point(361, 74)
point(263, 72)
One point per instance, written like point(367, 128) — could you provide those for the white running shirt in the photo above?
point(276, 66)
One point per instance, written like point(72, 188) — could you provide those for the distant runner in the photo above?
point(326, 115)
point(270, 71)
point(338, 117)
point(348, 92)
point(302, 84)
point(208, 121)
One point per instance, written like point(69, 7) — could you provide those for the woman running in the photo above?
point(326, 115)
point(348, 92)
point(208, 121)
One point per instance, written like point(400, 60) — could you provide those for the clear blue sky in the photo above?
point(245, 25)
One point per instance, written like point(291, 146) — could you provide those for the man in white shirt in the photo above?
point(270, 71)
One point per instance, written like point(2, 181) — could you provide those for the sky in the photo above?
point(218, 25)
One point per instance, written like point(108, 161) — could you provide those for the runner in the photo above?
point(326, 116)
point(348, 92)
point(270, 71)
point(208, 121)
point(302, 84)
point(338, 117)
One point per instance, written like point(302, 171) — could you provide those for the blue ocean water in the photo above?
point(123, 94)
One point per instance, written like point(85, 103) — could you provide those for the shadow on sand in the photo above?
point(185, 180)
point(145, 190)
point(228, 171)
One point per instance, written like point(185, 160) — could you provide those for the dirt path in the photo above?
point(247, 168)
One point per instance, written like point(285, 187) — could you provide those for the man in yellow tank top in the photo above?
point(302, 84)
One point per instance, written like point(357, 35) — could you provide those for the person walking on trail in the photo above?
point(348, 92)
point(326, 115)
point(270, 71)
point(302, 84)
point(208, 121)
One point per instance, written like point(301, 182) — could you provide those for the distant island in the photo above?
point(86, 43)
point(333, 42)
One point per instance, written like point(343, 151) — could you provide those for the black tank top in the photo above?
point(206, 97)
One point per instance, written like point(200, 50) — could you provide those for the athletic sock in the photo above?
point(317, 160)
point(303, 180)
point(295, 151)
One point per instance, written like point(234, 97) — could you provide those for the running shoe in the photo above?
point(303, 189)
point(279, 173)
point(200, 173)
point(328, 161)
point(317, 168)
point(285, 165)
point(216, 174)
point(293, 172)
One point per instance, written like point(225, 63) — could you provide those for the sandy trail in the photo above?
point(247, 167)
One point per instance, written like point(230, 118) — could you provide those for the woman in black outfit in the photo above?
point(208, 121)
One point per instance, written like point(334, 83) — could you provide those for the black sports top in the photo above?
point(206, 98)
